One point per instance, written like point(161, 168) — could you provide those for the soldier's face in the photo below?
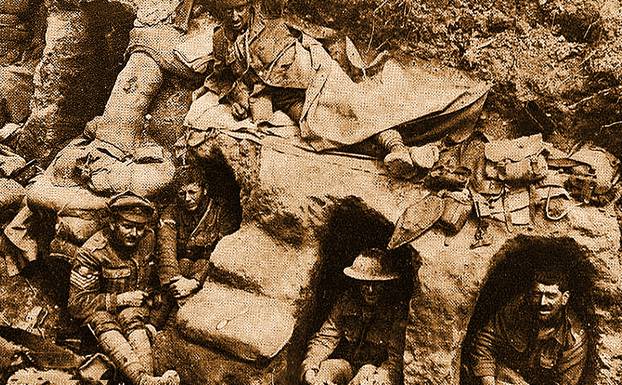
point(191, 194)
point(237, 17)
point(371, 291)
point(548, 301)
point(128, 233)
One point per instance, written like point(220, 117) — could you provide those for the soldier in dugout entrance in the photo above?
point(362, 342)
point(535, 339)
point(188, 231)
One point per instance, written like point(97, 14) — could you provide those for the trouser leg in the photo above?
point(135, 88)
point(120, 352)
point(139, 341)
point(398, 161)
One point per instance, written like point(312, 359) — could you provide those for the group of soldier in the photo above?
point(534, 339)
point(114, 278)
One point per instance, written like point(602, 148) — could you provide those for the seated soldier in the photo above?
point(535, 339)
point(188, 232)
point(363, 339)
point(110, 279)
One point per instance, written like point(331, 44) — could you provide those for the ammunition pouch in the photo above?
point(583, 188)
point(517, 161)
point(525, 171)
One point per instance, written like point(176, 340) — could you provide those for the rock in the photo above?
point(197, 365)
point(249, 326)
point(253, 259)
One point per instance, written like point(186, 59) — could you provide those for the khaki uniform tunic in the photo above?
point(509, 341)
point(100, 272)
point(361, 335)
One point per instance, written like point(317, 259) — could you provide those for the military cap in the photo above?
point(131, 207)
point(371, 265)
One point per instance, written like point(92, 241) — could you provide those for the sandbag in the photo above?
point(105, 169)
point(78, 228)
point(11, 193)
point(249, 326)
point(43, 193)
point(10, 163)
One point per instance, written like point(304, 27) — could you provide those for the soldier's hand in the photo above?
point(238, 111)
point(131, 298)
point(182, 287)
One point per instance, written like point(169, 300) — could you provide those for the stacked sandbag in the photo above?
point(11, 193)
point(11, 167)
point(105, 169)
point(84, 175)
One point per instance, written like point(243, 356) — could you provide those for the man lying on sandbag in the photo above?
point(362, 342)
point(167, 40)
point(263, 65)
point(109, 286)
point(188, 232)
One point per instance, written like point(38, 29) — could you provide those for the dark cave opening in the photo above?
point(511, 275)
point(351, 228)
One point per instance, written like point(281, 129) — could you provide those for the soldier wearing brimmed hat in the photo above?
point(362, 342)
point(110, 279)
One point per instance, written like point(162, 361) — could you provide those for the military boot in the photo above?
point(398, 161)
point(123, 356)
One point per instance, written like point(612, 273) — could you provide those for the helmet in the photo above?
point(371, 265)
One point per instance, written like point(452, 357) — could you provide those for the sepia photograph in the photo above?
point(310, 192)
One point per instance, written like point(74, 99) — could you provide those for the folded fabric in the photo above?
point(416, 220)
point(197, 51)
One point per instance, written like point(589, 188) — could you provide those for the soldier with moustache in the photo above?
point(109, 285)
point(535, 339)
